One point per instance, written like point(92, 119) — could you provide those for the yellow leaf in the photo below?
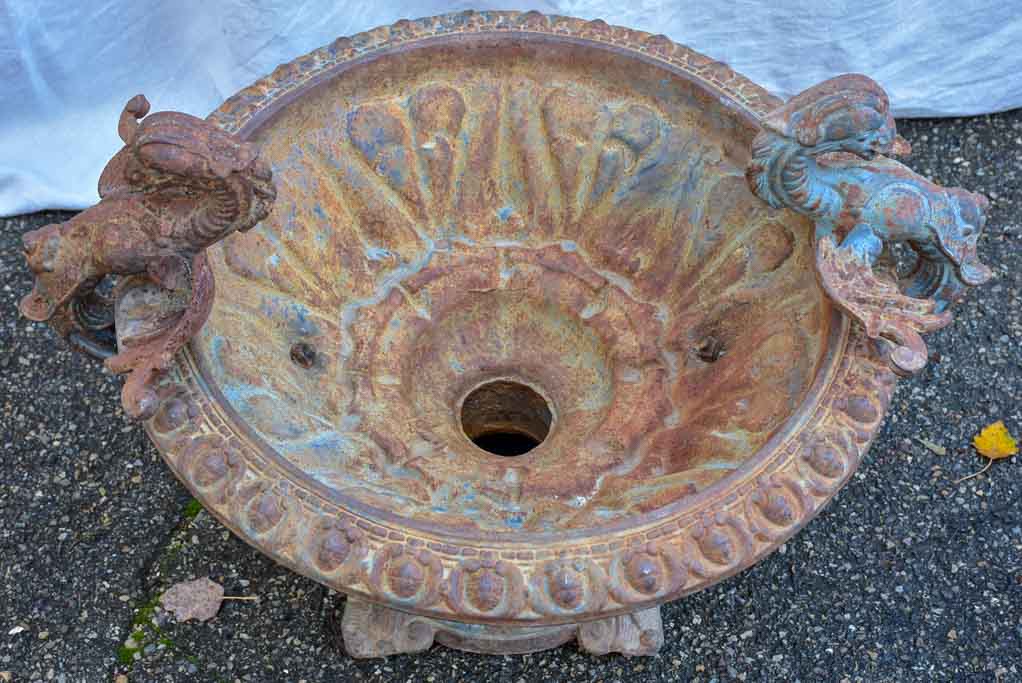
point(995, 441)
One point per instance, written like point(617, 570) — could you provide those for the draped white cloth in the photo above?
point(67, 68)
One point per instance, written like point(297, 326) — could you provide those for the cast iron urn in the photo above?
point(510, 327)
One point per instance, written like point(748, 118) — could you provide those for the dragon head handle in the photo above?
point(168, 150)
point(849, 113)
point(817, 154)
point(179, 185)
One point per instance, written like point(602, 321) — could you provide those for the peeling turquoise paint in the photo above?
point(377, 253)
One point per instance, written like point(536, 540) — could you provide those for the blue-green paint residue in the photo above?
point(377, 253)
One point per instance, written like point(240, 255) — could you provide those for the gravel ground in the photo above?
point(905, 576)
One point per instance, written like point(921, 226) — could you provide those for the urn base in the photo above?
point(372, 630)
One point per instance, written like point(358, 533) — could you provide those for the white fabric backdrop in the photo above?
point(67, 68)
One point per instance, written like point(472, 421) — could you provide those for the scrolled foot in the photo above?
point(639, 633)
point(372, 630)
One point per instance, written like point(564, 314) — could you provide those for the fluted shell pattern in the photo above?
point(569, 219)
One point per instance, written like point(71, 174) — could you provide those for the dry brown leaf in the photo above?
point(199, 599)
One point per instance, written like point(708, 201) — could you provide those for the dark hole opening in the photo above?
point(505, 418)
point(303, 355)
point(505, 443)
point(710, 350)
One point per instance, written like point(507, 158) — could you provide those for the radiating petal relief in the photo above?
point(600, 249)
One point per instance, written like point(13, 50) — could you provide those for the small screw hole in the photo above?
point(710, 350)
point(303, 355)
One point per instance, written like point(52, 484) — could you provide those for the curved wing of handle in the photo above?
point(819, 155)
point(179, 185)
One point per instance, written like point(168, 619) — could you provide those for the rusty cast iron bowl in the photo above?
point(539, 324)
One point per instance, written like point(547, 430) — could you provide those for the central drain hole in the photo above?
point(505, 418)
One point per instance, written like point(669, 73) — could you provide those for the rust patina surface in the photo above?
point(546, 326)
point(818, 155)
point(178, 185)
point(522, 210)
